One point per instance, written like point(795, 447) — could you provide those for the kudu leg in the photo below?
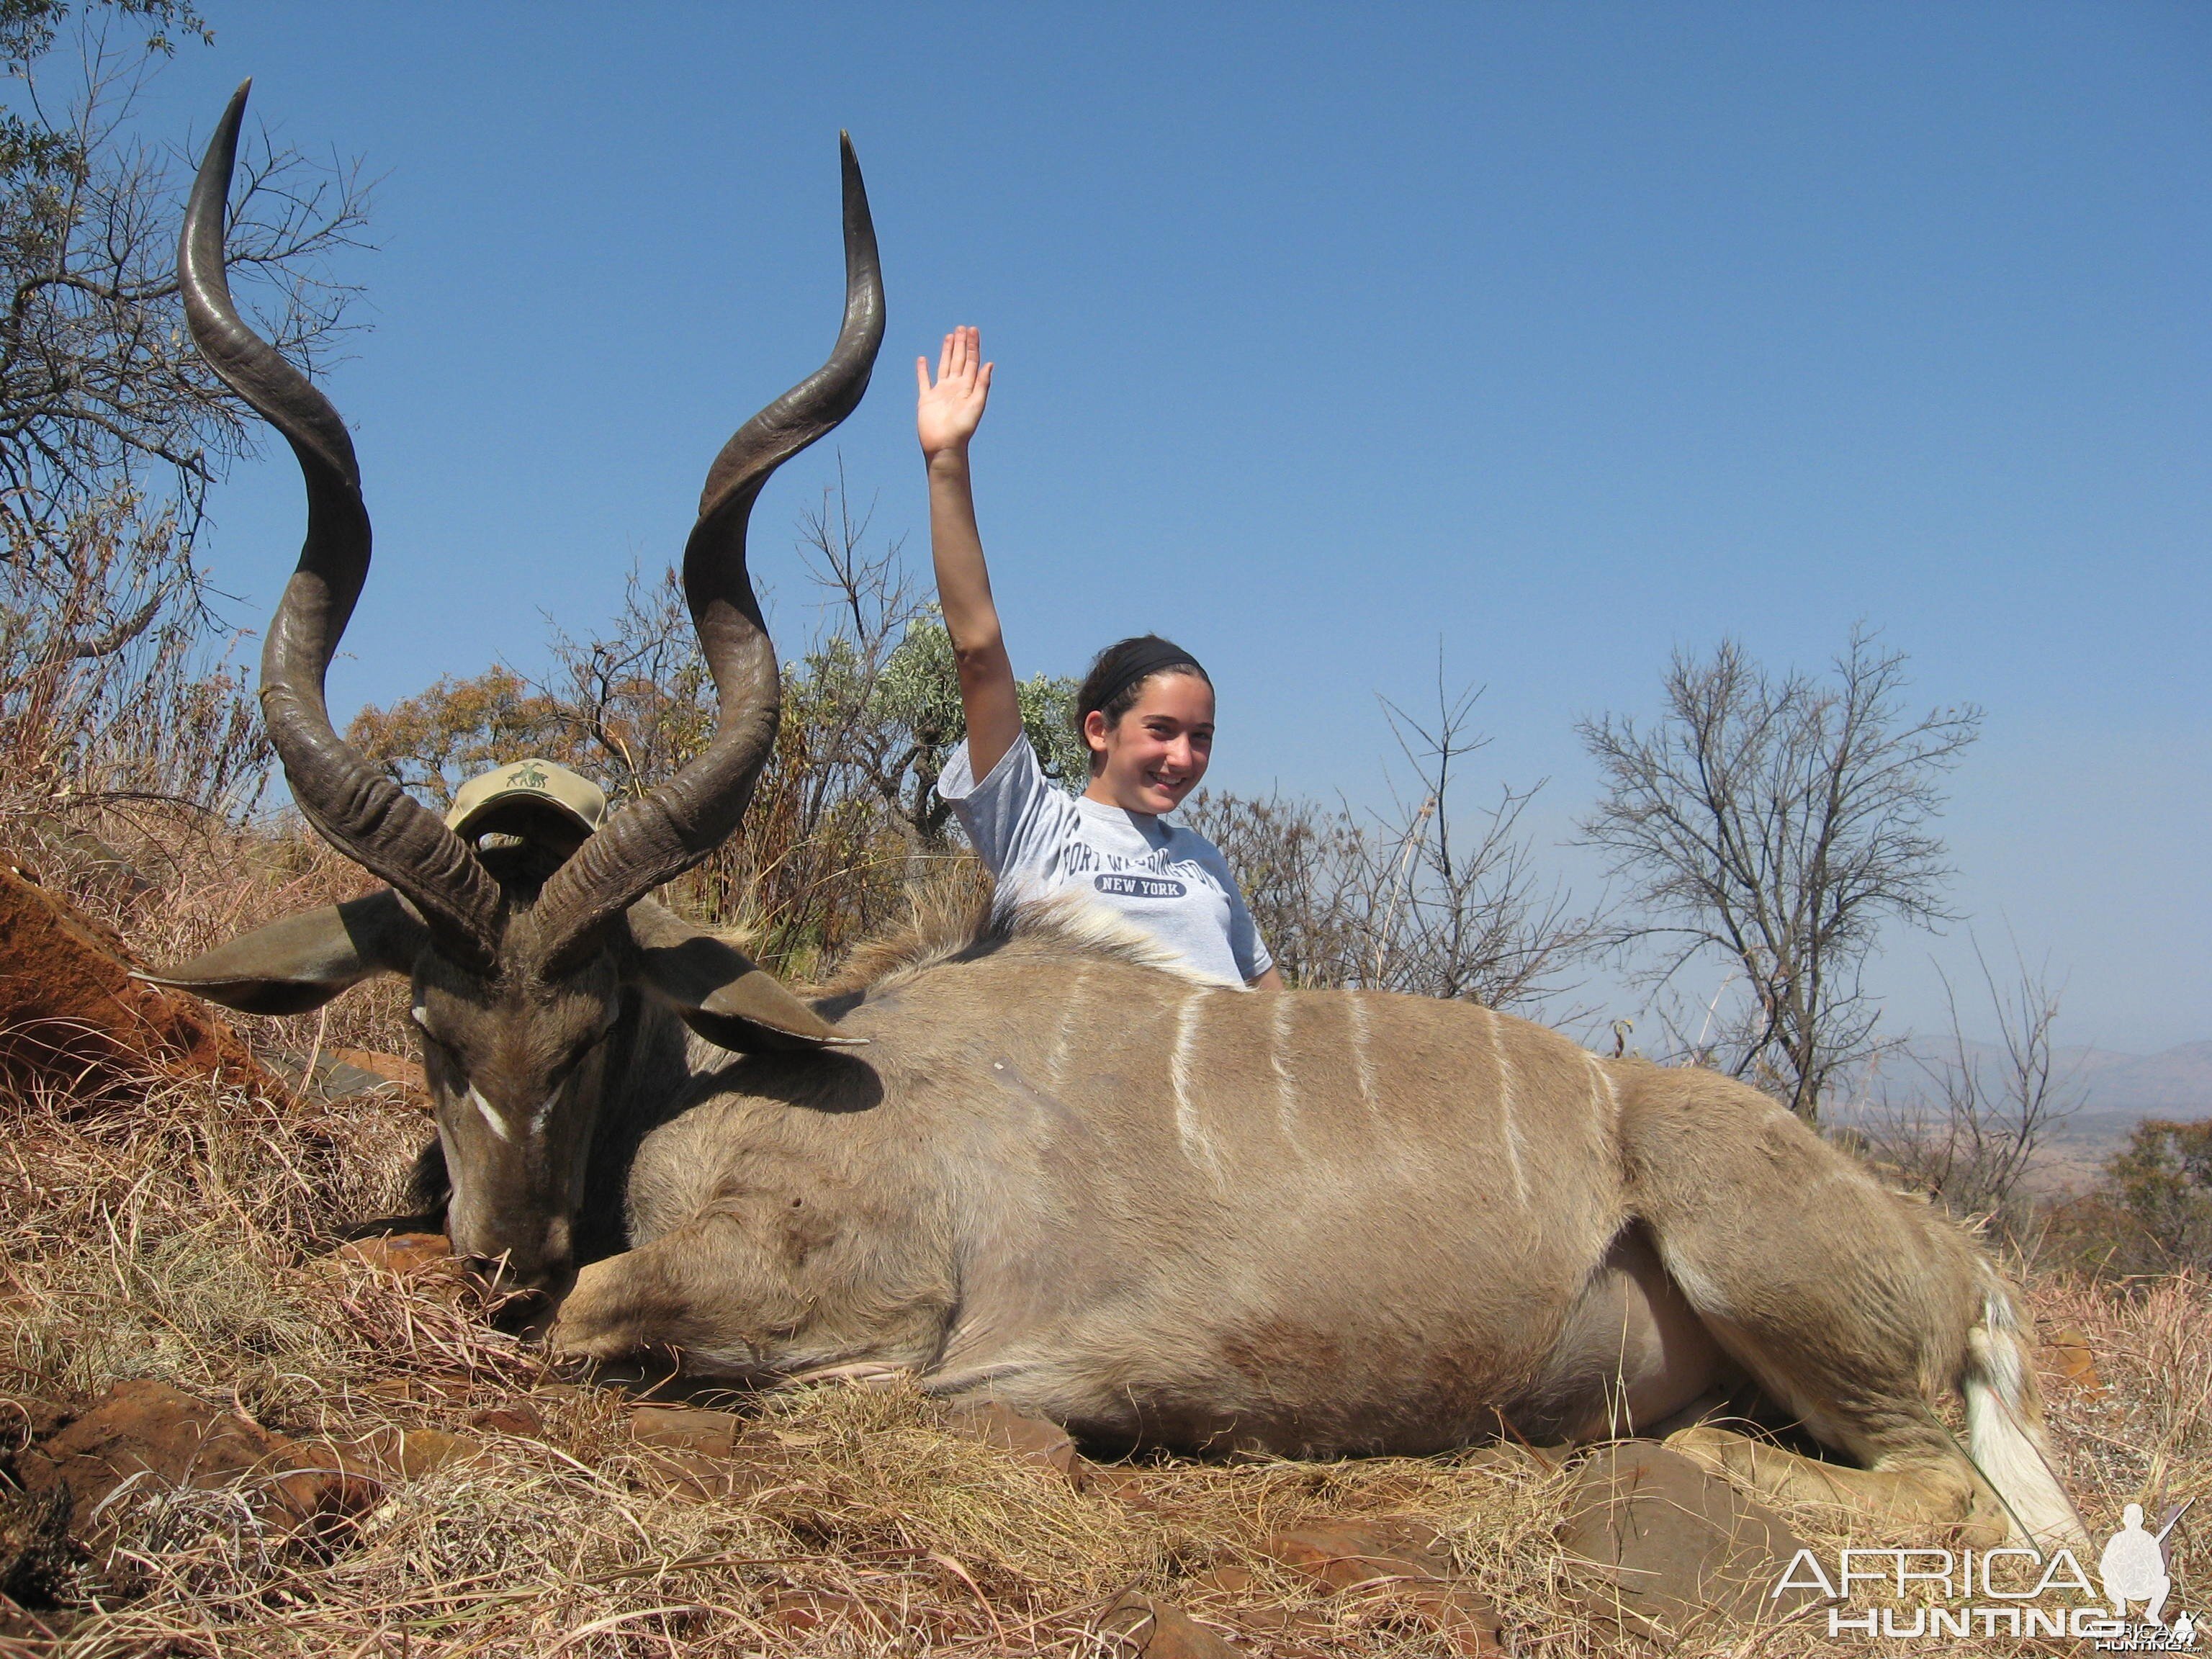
point(1912, 1493)
point(1851, 1306)
point(761, 1287)
point(704, 1290)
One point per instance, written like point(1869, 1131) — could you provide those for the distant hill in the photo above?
point(2175, 1084)
point(2115, 1092)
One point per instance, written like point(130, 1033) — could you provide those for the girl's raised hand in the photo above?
point(947, 413)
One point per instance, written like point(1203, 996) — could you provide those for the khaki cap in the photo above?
point(540, 781)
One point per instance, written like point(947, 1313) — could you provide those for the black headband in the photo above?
point(1152, 658)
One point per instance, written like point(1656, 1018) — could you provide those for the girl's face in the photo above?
point(1155, 754)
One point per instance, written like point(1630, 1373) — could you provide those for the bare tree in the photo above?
point(1452, 904)
point(1302, 866)
point(1773, 824)
point(881, 672)
point(101, 393)
point(1968, 1129)
point(1433, 897)
point(116, 681)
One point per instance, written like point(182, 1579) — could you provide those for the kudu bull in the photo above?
point(1061, 1171)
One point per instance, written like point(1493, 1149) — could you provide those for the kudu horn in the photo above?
point(660, 835)
point(362, 812)
point(674, 826)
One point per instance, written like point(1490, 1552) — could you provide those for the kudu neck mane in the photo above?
point(1065, 927)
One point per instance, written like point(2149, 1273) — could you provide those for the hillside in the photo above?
point(2109, 1093)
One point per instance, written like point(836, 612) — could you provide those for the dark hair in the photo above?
point(1117, 679)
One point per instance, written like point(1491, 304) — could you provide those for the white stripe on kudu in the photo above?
point(1058, 1057)
point(1286, 1091)
point(1189, 1130)
point(498, 1123)
point(1506, 1115)
point(1355, 1011)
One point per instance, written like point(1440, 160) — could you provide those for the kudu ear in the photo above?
point(719, 992)
point(303, 961)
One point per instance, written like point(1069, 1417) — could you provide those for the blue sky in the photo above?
point(1562, 336)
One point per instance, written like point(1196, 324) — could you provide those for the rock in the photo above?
point(1352, 1555)
point(1512, 1458)
point(1122, 1483)
point(1289, 1632)
point(520, 1418)
point(149, 1431)
point(390, 1068)
point(686, 1428)
point(1137, 1626)
point(1402, 1561)
point(71, 1014)
point(1466, 1618)
point(2068, 1354)
point(796, 1612)
point(1672, 1549)
point(1030, 1439)
point(1227, 1579)
point(399, 1253)
point(694, 1477)
point(349, 1073)
point(687, 1452)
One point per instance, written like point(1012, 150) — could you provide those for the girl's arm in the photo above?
point(945, 418)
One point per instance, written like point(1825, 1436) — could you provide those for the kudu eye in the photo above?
point(434, 1044)
point(576, 1056)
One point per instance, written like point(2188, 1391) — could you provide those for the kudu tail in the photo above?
point(2004, 1424)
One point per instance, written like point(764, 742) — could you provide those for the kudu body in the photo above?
point(1061, 1171)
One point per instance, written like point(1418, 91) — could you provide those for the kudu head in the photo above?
point(525, 948)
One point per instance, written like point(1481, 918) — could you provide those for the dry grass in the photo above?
point(181, 1238)
point(2148, 1439)
point(182, 1234)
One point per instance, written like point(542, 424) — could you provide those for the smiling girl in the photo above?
point(1144, 711)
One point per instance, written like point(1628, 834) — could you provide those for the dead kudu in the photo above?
point(1060, 1171)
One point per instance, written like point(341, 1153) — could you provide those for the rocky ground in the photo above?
point(224, 1434)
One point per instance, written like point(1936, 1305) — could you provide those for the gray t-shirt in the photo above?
point(1038, 840)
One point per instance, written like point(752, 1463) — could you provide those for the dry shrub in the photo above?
point(1438, 896)
point(2148, 1214)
